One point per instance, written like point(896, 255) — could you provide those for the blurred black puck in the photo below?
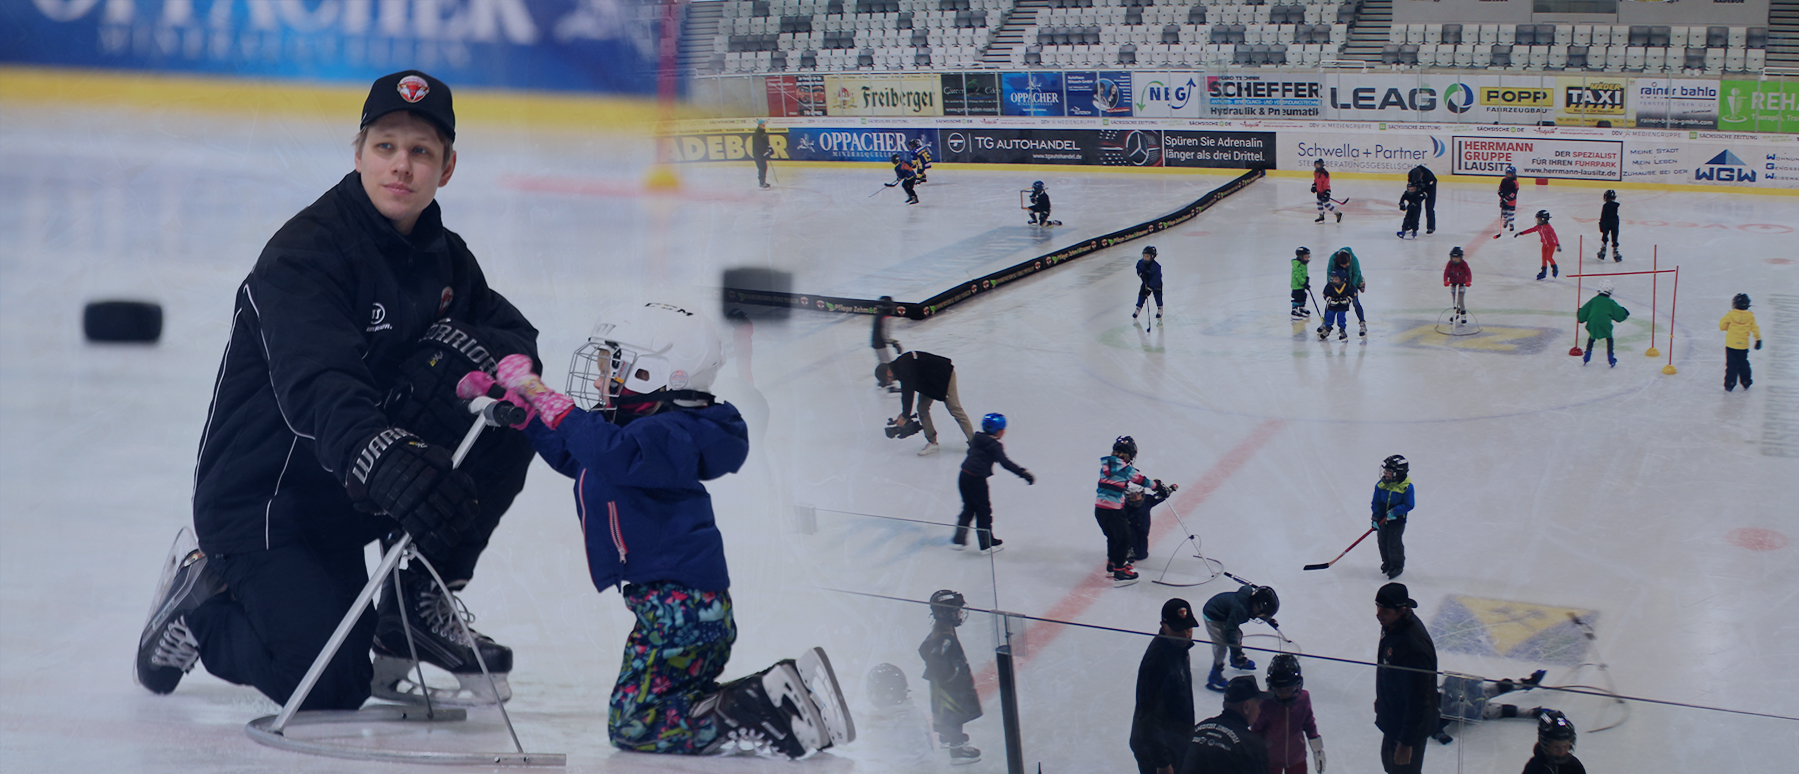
point(127, 321)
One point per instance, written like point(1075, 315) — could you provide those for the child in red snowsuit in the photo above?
point(1551, 245)
point(1457, 276)
point(1321, 185)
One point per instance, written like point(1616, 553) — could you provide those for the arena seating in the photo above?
point(756, 36)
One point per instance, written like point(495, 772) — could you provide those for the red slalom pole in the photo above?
point(1669, 368)
point(1654, 296)
point(1576, 351)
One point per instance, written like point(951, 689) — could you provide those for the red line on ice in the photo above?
point(1089, 590)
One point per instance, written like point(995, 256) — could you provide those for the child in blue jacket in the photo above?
point(1392, 501)
point(638, 457)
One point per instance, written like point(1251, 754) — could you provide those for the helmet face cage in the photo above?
point(1553, 726)
point(948, 605)
point(596, 363)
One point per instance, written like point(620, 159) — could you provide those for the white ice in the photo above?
point(1652, 500)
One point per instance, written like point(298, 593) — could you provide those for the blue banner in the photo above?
point(1098, 94)
point(1031, 94)
point(544, 45)
point(810, 144)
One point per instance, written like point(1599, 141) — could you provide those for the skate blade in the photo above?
point(821, 683)
point(1119, 584)
point(783, 685)
point(396, 680)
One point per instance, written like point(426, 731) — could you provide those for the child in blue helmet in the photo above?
point(983, 450)
point(1039, 208)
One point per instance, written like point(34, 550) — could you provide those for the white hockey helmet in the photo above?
point(644, 349)
point(1605, 287)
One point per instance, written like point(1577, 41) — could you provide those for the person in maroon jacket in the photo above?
point(1457, 276)
point(1286, 722)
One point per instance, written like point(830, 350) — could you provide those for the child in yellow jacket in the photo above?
point(1737, 324)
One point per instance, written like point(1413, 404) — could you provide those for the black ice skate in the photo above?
point(827, 696)
point(1324, 332)
point(443, 639)
point(962, 755)
point(1364, 329)
point(1122, 575)
point(1321, 217)
point(167, 649)
point(1243, 663)
point(1343, 334)
point(1601, 255)
point(1339, 217)
point(1616, 258)
point(767, 713)
point(1543, 272)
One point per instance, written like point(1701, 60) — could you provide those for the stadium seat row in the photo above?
point(1640, 35)
point(1502, 56)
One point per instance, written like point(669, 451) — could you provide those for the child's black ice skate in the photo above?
point(1555, 270)
point(1364, 329)
point(1339, 217)
point(827, 696)
point(1343, 334)
point(441, 635)
point(1243, 663)
point(1122, 575)
point(962, 755)
point(167, 650)
point(1601, 255)
point(767, 713)
point(1324, 332)
point(1616, 258)
point(993, 547)
point(1321, 218)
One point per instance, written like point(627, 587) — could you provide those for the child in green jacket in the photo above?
point(1301, 283)
point(1599, 314)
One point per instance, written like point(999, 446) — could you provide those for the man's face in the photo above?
point(1252, 709)
point(402, 164)
point(1388, 615)
point(1559, 749)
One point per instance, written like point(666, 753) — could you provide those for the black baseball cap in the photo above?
point(1178, 614)
point(1242, 688)
point(1394, 596)
point(415, 91)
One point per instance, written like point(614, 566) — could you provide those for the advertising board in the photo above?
point(883, 95)
point(1263, 96)
point(806, 143)
point(1020, 146)
point(1106, 93)
point(1233, 150)
point(1031, 94)
point(1665, 103)
point(1168, 95)
point(1539, 157)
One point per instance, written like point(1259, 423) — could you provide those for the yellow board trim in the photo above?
point(222, 95)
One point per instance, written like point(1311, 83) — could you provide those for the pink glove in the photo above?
point(478, 383)
point(516, 375)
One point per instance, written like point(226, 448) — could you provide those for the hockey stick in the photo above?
point(1358, 541)
point(884, 186)
point(1341, 201)
point(1314, 302)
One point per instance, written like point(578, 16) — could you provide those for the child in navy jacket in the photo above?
point(638, 458)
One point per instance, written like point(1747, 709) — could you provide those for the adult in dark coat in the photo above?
point(1163, 720)
point(1405, 683)
point(1426, 181)
point(931, 377)
point(1224, 744)
point(761, 153)
point(332, 419)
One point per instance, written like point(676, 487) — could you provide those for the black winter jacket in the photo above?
point(1163, 720)
point(1608, 217)
point(922, 372)
point(1540, 763)
point(1422, 177)
point(1405, 700)
point(983, 451)
point(1225, 745)
point(337, 300)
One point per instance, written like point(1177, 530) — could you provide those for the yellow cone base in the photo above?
point(1652, 352)
point(662, 177)
point(1669, 369)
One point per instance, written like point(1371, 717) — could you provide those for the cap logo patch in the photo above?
point(413, 88)
point(678, 379)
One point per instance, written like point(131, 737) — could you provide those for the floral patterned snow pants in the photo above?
point(672, 659)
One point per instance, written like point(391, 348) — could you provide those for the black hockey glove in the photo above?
point(1314, 188)
point(1028, 478)
point(415, 483)
point(1758, 343)
point(424, 398)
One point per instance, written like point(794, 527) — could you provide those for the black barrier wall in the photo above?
point(937, 303)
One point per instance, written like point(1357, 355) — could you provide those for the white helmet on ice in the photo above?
point(647, 349)
point(1605, 287)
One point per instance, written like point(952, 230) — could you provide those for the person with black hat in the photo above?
point(1224, 744)
point(1163, 719)
point(331, 426)
point(760, 152)
point(1405, 683)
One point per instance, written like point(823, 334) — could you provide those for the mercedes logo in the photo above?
point(1137, 149)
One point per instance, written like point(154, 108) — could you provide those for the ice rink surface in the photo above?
point(1647, 504)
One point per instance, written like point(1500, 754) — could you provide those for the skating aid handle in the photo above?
point(478, 406)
